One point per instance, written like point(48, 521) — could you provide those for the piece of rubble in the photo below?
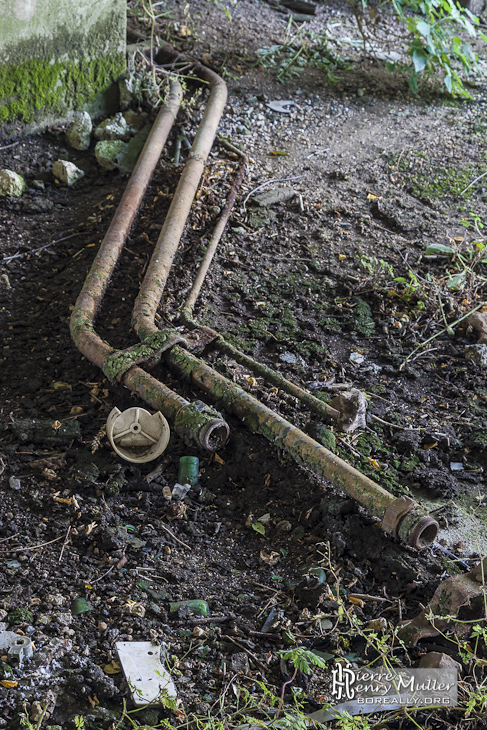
point(107, 151)
point(352, 405)
point(11, 184)
point(457, 597)
point(114, 128)
point(79, 134)
point(439, 660)
point(478, 320)
point(477, 354)
point(270, 197)
point(67, 172)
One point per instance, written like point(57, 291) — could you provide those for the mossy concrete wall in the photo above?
point(58, 55)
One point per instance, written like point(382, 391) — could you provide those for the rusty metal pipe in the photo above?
point(149, 297)
point(194, 422)
point(401, 516)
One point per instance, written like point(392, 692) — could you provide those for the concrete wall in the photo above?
point(58, 55)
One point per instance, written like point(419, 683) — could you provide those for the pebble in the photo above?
point(67, 172)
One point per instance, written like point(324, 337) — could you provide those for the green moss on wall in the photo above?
point(39, 84)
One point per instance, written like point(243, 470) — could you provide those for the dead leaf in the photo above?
point(8, 683)
point(112, 668)
point(56, 425)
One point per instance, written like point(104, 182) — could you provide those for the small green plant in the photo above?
point(431, 36)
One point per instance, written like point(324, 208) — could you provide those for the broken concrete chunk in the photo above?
point(477, 353)
point(439, 660)
point(270, 197)
point(79, 134)
point(11, 184)
point(478, 320)
point(67, 172)
point(454, 599)
point(106, 153)
point(352, 406)
point(130, 89)
point(115, 128)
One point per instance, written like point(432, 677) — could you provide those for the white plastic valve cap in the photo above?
point(136, 435)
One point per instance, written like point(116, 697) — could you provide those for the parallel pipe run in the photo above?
point(194, 422)
point(400, 516)
point(147, 302)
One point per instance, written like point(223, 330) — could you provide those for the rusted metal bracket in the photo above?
point(394, 514)
point(117, 364)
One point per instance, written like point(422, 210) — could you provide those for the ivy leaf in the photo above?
point(413, 83)
point(419, 60)
point(457, 281)
point(258, 527)
point(423, 27)
point(438, 249)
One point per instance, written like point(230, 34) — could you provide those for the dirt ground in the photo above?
point(330, 285)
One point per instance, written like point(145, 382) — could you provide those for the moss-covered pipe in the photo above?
point(401, 517)
point(194, 422)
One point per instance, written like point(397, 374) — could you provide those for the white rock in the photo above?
point(114, 128)
point(11, 183)
point(67, 172)
point(79, 134)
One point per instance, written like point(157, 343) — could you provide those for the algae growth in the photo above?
point(36, 85)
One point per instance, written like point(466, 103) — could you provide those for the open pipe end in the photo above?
point(214, 435)
point(424, 533)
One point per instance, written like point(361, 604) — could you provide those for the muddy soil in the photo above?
point(330, 285)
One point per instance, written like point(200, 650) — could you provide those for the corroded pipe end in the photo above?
point(200, 424)
point(214, 435)
point(424, 533)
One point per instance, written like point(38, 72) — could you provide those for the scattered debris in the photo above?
point(478, 320)
point(196, 606)
point(11, 184)
point(67, 172)
point(352, 406)
point(146, 675)
point(477, 353)
point(281, 105)
point(79, 134)
point(18, 648)
point(136, 435)
point(180, 490)
point(279, 195)
point(439, 660)
point(80, 605)
point(456, 596)
point(189, 467)
point(46, 431)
